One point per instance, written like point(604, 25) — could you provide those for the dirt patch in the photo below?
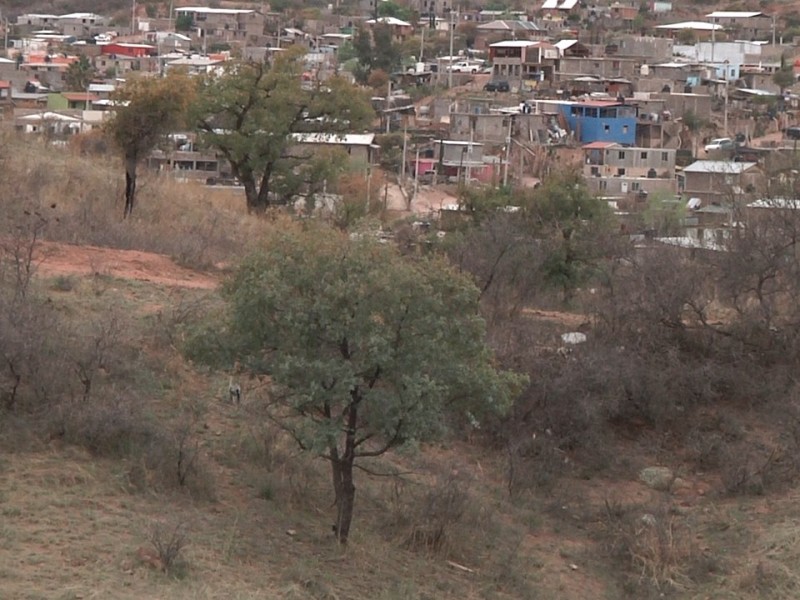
point(56, 260)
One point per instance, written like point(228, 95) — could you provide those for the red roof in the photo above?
point(599, 145)
point(4, 85)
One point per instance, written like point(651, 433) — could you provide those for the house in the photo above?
point(198, 65)
point(645, 48)
point(597, 66)
point(115, 49)
point(572, 48)
point(459, 161)
point(224, 25)
point(184, 160)
point(400, 29)
point(501, 29)
point(700, 29)
point(611, 169)
point(523, 60)
point(601, 121)
point(752, 25)
point(48, 123)
point(71, 100)
point(623, 15)
point(359, 146)
point(720, 182)
point(81, 25)
point(31, 21)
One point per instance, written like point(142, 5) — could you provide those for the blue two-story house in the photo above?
point(601, 121)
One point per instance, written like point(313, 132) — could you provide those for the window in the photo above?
point(603, 184)
point(644, 155)
point(607, 128)
point(665, 157)
point(621, 172)
point(635, 186)
point(624, 129)
point(622, 155)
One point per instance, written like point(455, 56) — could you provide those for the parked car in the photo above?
point(497, 86)
point(464, 67)
point(720, 144)
point(793, 133)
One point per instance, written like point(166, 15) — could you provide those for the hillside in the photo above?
point(113, 446)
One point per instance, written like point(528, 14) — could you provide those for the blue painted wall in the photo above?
point(602, 124)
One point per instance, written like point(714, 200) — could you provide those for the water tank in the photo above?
point(651, 174)
point(644, 70)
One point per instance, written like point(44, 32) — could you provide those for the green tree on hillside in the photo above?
point(366, 350)
point(148, 109)
point(251, 113)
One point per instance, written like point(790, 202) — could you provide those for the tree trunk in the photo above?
point(345, 490)
point(342, 470)
point(130, 185)
point(257, 196)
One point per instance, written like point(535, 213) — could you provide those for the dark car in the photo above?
point(793, 133)
point(497, 86)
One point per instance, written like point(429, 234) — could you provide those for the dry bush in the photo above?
point(169, 542)
point(655, 548)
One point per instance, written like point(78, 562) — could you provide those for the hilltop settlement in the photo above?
point(650, 101)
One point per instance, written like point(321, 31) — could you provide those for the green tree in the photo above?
point(79, 75)
point(252, 112)
point(366, 350)
point(184, 22)
point(148, 109)
point(784, 78)
point(565, 215)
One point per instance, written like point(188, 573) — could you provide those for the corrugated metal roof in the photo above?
point(719, 166)
point(733, 14)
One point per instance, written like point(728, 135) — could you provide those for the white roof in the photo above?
point(550, 4)
point(719, 166)
point(390, 21)
point(48, 116)
point(102, 87)
point(5, 61)
point(80, 15)
point(792, 203)
point(568, 4)
point(733, 14)
point(213, 11)
point(696, 25)
point(194, 61)
point(513, 44)
point(346, 139)
point(564, 44)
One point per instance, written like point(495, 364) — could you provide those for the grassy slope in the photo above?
point(72, 522)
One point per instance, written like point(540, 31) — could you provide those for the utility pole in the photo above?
point(405, 149)
point(450, 69)
point(388, 105)
point(416, 176)
point(508, 150)
point(133, 18)
point(422, 44)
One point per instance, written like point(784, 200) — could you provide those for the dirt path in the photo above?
point(56, 259)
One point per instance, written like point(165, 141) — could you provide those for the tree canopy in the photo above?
point(252, 111)
point(79, 75)
point(366, 350)
point(148, 109)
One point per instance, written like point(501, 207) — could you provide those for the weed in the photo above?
point(169, 542)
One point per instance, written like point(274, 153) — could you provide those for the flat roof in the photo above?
point(347, 139)
point(734, 14)
point(214, 11)
point(513, 44)
point(791, 203)
point(718, 166)
point(599, 145)
point(695, 25)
